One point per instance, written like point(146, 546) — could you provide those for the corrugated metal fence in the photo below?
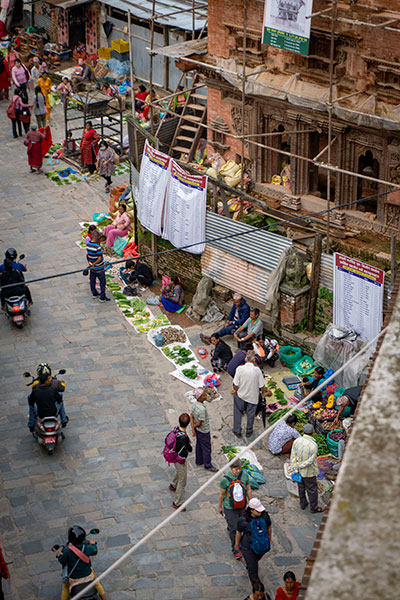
point(242, 263)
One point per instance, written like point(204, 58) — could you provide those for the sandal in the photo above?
point(318, 510)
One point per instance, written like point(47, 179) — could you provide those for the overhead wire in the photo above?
point(214, 239)
point(221, 471)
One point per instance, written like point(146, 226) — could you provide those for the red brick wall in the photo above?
point(216, 107)
point(229, 11)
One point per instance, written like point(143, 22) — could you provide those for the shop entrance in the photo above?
point(77, 21)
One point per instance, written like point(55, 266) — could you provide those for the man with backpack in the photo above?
point(234, 494)
point(176, 449)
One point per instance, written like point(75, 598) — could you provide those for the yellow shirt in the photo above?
point(303, 457)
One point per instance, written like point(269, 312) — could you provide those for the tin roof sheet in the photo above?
point(143, 9)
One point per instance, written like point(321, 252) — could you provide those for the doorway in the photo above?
point(77, 22)
point(368, 165)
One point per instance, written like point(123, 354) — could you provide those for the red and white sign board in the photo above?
point(357, 296)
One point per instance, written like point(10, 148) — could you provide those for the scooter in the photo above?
point(48, 431)
point(17, 307)
point(75, 588)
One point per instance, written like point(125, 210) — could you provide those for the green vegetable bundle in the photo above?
point(322, 445)
point(230, 451)
point(190, 373)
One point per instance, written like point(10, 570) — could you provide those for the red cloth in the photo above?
point(5, 77)
point(89, 142)
point(3, 30)
point(47, 142)
point(281, 594)
point(141, 95)
point(4, 572)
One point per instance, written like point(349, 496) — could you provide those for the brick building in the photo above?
point(288, 92)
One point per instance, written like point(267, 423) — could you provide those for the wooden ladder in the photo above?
point(189, 127)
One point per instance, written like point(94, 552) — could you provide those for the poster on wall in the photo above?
point(185, 209)
point(285, 25)
point(153, 180)
point(357, 296)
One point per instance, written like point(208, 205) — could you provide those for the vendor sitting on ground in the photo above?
point(141, 274)
point(172, 295)
point(309, 386)
point(221, 355)
point(82, 73)
point(239, 314)
point(349, 400)
point(126, 271)
point(140, 97)
point(267, 350)
point(283, 435)
point(120, 227)
point(251, 328)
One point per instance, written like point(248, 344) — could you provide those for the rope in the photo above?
point(221, 471)
point(215, 239)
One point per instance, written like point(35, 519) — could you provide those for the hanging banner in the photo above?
point(153, 180)
point(357, 296)
point(285, 25)
point(185, 209)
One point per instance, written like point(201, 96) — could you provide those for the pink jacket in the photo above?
point(20, 75)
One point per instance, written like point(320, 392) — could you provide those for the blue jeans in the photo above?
point(101, 276)
point(229, 330)
point(33, 413)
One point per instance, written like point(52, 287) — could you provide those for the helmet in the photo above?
point(76, 535)
point(43, 370)
point(274, 343)
point(11, 253)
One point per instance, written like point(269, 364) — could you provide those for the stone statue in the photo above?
point(295, 272)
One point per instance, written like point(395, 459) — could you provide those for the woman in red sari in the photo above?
point(291, 589)
point(4, 79)
point(33, 141)
point(89, 147)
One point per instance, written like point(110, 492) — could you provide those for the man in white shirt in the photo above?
point(247, 385)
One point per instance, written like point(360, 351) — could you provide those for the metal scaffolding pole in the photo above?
point(243, 98)
point(330, 111)
point(151, 69)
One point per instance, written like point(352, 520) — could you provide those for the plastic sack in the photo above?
point(253, 482)
point(296, 477)
point(131, 250)
point(300, 368)
point(289, 355)
point(255, 473)
point(212, 380)
point(119, 245)
point(159, 340)
point(153, 300)
point(165, 280)
point(336, 347)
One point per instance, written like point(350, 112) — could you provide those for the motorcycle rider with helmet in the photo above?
point(75, 560)
point(11, 276)
point(45, 399)
point(11, 254)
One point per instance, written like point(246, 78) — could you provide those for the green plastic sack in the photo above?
point(289, 355)
point(300, 368)
point(119, 246)
point(253, 482)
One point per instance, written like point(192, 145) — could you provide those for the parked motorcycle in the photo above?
point(77, 535)
point(47, 432)
point(17, 307)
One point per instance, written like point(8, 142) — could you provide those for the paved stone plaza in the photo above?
point(121, 401)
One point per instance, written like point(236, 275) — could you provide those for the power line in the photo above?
point(224, 468)
point(215, 239)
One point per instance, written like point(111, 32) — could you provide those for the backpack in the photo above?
point(11, 110)
point(260, 543)
point(170, 454)
point(237, 492)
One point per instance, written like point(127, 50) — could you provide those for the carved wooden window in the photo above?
point(255, 50)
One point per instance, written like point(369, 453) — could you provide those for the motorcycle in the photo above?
point(17, 307)
point(48, 430)
point(75, 587)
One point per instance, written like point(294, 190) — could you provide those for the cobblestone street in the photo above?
point(109, 473)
